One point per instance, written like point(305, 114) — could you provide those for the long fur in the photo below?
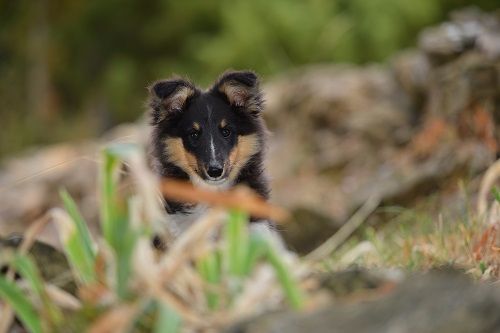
point(241, 91)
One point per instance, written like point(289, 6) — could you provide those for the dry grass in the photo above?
point(213, 274)
point(421, 238)
point(216, 273)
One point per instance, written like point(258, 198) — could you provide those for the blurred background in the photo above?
point(73, 69)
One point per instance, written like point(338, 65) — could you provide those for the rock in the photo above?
point(397, 133)
point(53, 266)
point(441, 302)
point(30, 183)
point(339, 99)
point(307, 229)
point(468, 29)
point(356, 280)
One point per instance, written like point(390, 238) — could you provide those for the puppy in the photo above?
point(213, 138)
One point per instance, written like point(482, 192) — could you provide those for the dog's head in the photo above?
point(210, 135)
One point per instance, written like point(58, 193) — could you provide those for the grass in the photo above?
point(217, 272)
point(420, 239)
point(124, 284)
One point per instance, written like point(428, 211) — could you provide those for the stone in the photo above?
point(437, 302)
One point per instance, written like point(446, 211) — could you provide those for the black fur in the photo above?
point(235, 97)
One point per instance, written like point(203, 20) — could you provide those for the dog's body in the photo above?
point(214, 139)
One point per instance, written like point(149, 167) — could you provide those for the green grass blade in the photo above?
point(108, 197)
point(124, 252)
point(79, 259)
point(209, 267)
point(81, 225)
point(236, 233)
point(114, 208)
point(257, 248)
point(117, 229)
point(28, 270)
point(24, 310)
point(168, 321)
point(286, 280)
point(496, 194)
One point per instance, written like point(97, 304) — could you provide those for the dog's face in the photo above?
point(209, 135)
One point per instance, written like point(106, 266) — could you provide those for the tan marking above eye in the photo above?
point(196, 126)
point(223, 123)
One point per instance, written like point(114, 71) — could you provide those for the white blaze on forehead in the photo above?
point(212, 146)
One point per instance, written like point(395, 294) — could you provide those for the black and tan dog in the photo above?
point(213, 138)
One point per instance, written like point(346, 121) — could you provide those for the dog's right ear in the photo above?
point(168, 97)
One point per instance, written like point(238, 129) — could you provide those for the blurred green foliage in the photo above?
point(73, 68)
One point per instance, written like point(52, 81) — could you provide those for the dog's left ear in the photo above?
point(241, 88)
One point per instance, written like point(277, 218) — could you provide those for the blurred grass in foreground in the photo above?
point(217, 272)
point(205, 278)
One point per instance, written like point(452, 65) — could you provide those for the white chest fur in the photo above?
point(182, 221)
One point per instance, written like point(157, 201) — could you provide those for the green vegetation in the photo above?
point(79, 67)
point(122, 273)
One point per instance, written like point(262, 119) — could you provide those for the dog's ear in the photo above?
point(168, 97)
point(241, 88)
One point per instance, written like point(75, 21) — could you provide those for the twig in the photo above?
point(178, 306)
point(186, 244)
point(240, 198)
point(345, 231)
point(24, 179)
point(62, 298)
point(115, 320)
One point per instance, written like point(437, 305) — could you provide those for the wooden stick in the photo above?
point(238, 198)
point(331, 244)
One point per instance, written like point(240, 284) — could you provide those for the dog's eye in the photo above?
point(194, 135)
point(225, 132)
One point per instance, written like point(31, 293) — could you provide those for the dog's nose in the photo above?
point(214, 171)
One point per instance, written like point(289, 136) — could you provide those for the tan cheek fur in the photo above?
point(247, 146)
point(180, 157)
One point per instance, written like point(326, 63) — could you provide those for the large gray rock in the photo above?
point(439, 302)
